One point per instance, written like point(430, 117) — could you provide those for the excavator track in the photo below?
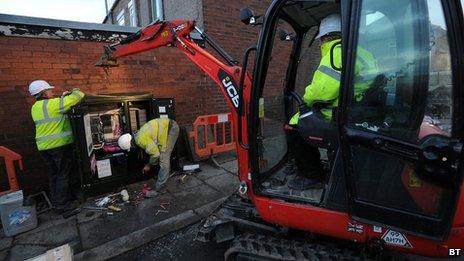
point(260, 247)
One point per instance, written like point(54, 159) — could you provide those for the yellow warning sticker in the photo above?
point(414, 180)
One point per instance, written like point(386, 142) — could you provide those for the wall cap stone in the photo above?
point(24, 26)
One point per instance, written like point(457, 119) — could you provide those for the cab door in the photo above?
point(401, 120)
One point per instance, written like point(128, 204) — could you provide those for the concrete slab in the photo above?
point(22, 252)
point(137, 238)
point(53, 236)
point(5, 243)
point(208, 171)
point(131, 218)
point(195, 197)
point(4, 254)
point(231, 166)
point(209, 208)
point(173, 185)
point(225, 183)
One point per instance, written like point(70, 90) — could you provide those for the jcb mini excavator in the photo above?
point(393, 157)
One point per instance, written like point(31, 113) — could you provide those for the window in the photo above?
point(157, 10)
point(132, 13)
point(120, 18)
point(407, 96)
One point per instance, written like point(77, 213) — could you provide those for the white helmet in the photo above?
point(38, 86)
point(124, 142)
point(330, 24)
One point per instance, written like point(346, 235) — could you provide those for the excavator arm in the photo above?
point(227, 76)
point(176, 33)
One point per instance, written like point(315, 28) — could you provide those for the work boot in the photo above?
point(301, 182)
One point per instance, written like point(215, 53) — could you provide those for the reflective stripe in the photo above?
point(77, 95)
point(363, 62)
point(330, 72)
point(54, 136)
point(48, 120)
point(61, 104)
point(150, 146)
point(44, 109)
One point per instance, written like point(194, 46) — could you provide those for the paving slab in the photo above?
point(225, 183)
point(5, 243)
point(209, 208)
point(231, 166)
point(173, 185)
point(137, 238)
point(4, 254)
point(131, 218)
point(53, 236)
point(22, 252)
point(195, 197)
point(208, 171)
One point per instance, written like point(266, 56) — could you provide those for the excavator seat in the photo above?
point(315, 129)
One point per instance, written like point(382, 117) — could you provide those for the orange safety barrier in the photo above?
point(10, 157)
point(212, 134)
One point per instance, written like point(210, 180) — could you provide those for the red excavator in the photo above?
point(393, 159)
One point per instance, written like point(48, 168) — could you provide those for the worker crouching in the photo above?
point(54, 138)
point(157, 138)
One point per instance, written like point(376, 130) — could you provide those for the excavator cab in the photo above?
point(393, 157)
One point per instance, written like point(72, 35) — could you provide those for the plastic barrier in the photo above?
point(10, 157)
point(212, 134)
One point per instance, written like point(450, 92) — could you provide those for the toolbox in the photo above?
point(98, 122)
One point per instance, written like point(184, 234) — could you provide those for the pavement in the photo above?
point(177, 246)
point(94, 235)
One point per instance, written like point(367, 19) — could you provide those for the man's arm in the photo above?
point(71, 99)
point(154, 153)
point(325, 84)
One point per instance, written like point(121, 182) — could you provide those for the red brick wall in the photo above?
point(69, 64)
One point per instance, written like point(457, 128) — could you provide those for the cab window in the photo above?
point(407, 97)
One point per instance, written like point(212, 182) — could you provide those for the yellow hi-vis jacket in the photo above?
point(52, 126)
point(325, 86)
point(152, 137)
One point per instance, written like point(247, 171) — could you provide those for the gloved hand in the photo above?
point(146, 168)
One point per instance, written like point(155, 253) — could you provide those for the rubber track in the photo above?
point(274, 248)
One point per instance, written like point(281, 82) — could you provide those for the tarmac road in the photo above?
point(179, 245)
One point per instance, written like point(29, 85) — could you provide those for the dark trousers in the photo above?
point(59, 160)
point(307, 158)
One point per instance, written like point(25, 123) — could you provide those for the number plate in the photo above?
point(396, 239)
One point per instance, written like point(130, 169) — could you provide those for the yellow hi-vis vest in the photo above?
point(325, 86)
point(152, 137)
point(52, 126)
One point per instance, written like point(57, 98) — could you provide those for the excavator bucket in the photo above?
point(107, 60)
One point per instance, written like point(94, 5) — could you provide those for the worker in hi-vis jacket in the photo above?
point(157, 138)
point(54, 138)
point(325, 88)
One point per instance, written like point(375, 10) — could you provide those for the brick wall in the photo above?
point(69, 63)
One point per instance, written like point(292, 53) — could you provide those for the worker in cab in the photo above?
point(157, 138)
point(325, 88)
point(54, 139)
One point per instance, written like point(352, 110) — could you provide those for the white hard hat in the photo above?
point(38, 86)
point(124, 142)
point(330, 24)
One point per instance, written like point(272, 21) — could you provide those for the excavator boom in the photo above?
point(176, 34)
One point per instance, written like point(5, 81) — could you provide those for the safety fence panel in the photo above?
point(10, 157)
point(212, 134)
